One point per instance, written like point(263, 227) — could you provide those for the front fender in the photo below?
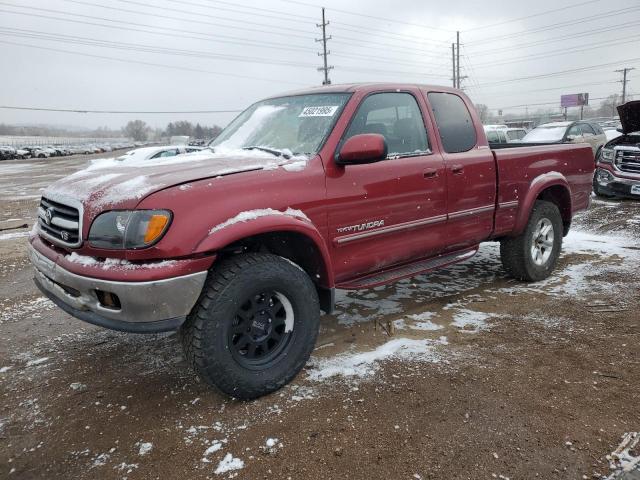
point(218, 238)
point(536, 187)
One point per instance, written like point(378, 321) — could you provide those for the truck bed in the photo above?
point(520, 166)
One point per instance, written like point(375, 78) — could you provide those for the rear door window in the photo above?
point(457, 131)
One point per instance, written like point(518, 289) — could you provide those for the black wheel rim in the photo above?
point(258, 335)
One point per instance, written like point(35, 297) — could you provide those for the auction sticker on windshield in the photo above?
point(319, 111)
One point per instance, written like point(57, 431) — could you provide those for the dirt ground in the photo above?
point(484, 377)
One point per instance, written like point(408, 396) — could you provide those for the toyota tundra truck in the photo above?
point(618, 171)
point(242, 246)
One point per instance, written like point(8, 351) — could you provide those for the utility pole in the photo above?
point(458, 59)
point(324, 53)
point(453, 63)
point(624, 81)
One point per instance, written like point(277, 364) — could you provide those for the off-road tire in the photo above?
point(205, 334)
point(516, 252)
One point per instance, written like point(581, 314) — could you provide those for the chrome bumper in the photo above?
point(145, 307)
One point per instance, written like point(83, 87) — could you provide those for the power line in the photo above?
point(211, 37)
point(561, 72)
point(127, 112)
point(554, 26)
point(223, 38)
point(532, 16)
point(243, 22)
point(138, 62)
point(168, 51)
point(364, 15)
point(585, 33)
point(563, 87)
point(355, 28)
point(556, 102)
point(14, 32)
point(562, 51)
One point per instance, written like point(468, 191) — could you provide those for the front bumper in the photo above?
point(144, 307)
point(610, 184)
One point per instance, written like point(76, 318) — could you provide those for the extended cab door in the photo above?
point(470, 171)
point(384, 213)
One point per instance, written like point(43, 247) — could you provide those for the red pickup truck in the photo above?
point(339, 187)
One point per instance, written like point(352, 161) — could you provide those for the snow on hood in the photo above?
point(111, 181)
point(630, 116)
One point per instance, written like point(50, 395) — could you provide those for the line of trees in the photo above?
point(50, 131)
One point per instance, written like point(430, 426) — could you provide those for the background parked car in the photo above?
point(503, 134)
point(7, 152)
point(568, 132)
point(149, 153)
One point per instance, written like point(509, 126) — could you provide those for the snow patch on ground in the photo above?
point(364, 364)
point(228, 464)
point(37, 361)
point(253, 214)
point(13, 235)
point(144, 447)
point(469, 320)
point(626, 457)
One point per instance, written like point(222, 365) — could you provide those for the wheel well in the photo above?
point(293, 246)
point(299, 249)
point(561, 198)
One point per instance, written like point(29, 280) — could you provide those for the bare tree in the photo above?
point(136, 129)
point(483, 112)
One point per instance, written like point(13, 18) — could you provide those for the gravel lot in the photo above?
point(484, 377)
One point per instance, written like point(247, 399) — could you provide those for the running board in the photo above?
point(406, 270)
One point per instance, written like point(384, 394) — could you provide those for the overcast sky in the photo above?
point(174, 55)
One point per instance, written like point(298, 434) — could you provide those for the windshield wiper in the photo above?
point(272, 151)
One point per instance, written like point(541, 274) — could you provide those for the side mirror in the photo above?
point(363, 148)
point(619, 130)
point(571, 138)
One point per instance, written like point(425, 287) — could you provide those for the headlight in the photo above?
point(604, 176)
point(129, 229)
point(607, 155)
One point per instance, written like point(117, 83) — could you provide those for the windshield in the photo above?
point(545, 134)
point(297, 124)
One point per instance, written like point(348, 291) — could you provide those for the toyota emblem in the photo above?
point(48, 215)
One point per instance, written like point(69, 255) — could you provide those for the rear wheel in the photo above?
point(532, 255)
point(254, 326)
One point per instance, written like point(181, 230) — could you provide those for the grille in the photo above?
point(628, 161)
point(59, 223)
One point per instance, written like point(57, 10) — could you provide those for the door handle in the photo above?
point(430, 173)
point(457, 169)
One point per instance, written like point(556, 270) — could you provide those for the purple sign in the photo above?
point(574, 100)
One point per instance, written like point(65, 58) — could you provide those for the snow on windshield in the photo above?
point(249, 128)
point(297, 123)
point(545, 134)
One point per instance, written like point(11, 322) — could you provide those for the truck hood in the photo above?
point(111, 183)
point(630, 116)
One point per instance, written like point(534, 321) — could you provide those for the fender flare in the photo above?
point(219, 239)
point(536, 187)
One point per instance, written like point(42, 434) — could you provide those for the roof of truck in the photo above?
point(366, 87)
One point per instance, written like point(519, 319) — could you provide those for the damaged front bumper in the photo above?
point(611, 184)
point(137, 307)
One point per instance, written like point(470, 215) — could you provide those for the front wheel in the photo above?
point(254, 327)
point(533, 255)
